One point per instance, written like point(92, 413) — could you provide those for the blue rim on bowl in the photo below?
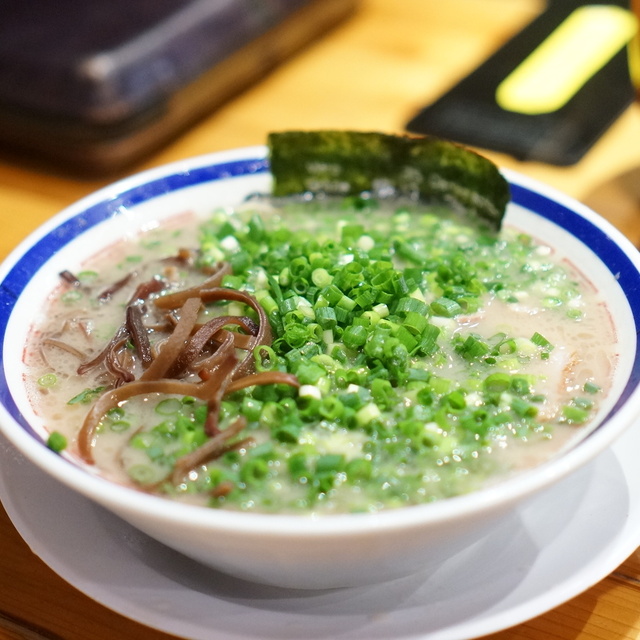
point(609, 245)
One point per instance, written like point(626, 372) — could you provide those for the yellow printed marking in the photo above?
point(573, 53)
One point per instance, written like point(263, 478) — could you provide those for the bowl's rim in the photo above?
point(124, 499)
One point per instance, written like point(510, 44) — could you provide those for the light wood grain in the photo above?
point(35, 602)
point(372, 72)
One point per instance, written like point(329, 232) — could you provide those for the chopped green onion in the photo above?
point(254, 470)
point(591, 387)
point(265, 358)
point(321, 277)
point(575, 415)
point(473, 348)
point(330, 462)
point(70, 297)
point(415, 322)
point(86, 396)
point(445, 307)
point(368, 413)
point(409, 305)
point(168, 406)
point(118, 426)
point(354, 336)
point(47, 380)
point(143, 474)
point(497, 382)
point(56, 441)
point(326, 317)
point(539, 340)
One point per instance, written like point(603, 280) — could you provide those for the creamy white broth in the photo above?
point(579, 328)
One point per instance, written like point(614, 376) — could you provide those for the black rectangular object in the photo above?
point(469, 113)
point(94, 85)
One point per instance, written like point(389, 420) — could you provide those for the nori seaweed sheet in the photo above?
point(341, 163)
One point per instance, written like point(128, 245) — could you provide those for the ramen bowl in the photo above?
point(302, 551)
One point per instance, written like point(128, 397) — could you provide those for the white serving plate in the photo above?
point(560, 544)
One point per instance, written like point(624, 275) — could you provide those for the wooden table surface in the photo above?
point(371, 72)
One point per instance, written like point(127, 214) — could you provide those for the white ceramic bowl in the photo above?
point(301, 551)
